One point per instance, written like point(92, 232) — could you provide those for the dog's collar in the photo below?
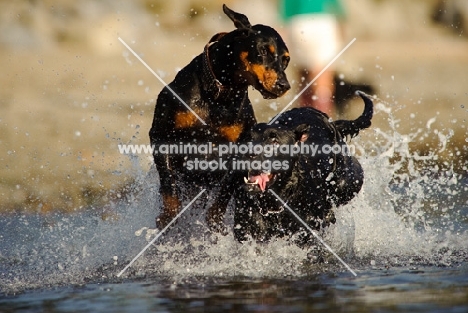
point(214, 86)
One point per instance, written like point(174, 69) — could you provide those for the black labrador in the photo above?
point(301, 159)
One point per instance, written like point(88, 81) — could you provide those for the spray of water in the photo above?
point(408, 212)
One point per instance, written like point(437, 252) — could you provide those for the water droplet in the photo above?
point(140, 231)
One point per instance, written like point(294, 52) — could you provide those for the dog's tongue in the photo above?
point(261, 179)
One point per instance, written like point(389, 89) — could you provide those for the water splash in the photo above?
point(411, 210)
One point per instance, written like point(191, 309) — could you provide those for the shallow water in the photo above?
point(405, 235)
point(397, 289)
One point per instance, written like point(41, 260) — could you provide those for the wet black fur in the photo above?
point(311, 186)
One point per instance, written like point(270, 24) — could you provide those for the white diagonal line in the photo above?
point(313, 232)
point(313, 80)
point(161, 232)
point(162, 81)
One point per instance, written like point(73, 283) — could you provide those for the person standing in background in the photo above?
point(314, 35)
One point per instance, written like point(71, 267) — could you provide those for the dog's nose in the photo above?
point(283, 84)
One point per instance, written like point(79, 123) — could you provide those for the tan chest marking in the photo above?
point(186, 119)
point(232, 132)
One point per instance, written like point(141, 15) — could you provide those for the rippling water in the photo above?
point(399, 289)
point(405, 236)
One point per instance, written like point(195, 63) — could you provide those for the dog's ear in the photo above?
point(302, 132)
point(240, 20)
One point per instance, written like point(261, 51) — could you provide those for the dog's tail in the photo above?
point(352, 128)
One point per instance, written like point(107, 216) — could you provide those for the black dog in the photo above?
point(214, 86)
point(311, 182)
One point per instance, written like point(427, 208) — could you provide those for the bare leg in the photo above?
point(320, 94)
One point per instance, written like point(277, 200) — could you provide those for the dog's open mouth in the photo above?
point(260, 179)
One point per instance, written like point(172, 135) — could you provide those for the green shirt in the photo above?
point(290, 8)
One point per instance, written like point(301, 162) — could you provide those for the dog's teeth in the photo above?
point(248, 182)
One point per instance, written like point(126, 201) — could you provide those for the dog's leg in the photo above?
point(215, 214)
point(168, 189)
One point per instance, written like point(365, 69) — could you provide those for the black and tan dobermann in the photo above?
point(214, 86)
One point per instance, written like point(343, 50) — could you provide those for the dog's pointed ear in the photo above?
point(240, 20)
point(302, 132)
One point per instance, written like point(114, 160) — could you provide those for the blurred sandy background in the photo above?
point(71, 92)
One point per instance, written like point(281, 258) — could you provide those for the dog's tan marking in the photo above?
point(186, 119)
point(231, 132)
point(243, 57)
point(268, 78)
point(265, 76)
point(271, 48)
point(171, 206)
